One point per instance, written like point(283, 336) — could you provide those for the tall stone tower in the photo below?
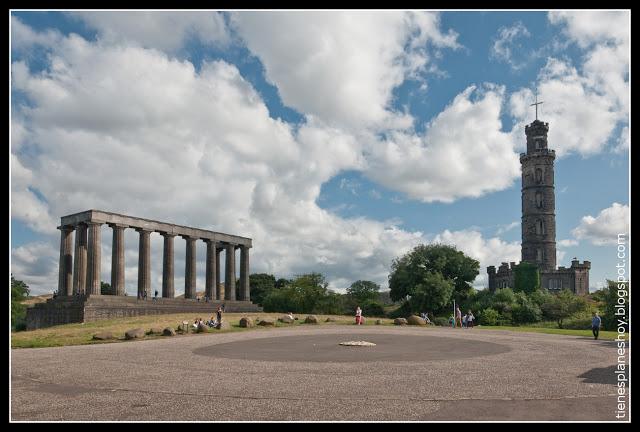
point(538, 199)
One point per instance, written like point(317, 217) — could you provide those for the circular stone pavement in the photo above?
point(326, 348)
point(293, 374)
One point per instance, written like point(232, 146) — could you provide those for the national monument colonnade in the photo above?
point(80, 268)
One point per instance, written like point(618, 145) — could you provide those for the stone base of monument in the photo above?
point(65, 310)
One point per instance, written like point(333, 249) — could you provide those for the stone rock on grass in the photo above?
point(202, 328)
point(168, 332)
point(267, 322)
point(400, 321)
point(330, 319)
point(154, 330)
point(134, 334)
point(378, 322)
point(246, 322)
point(311, 319)
point(416, 320)
point(103, 336)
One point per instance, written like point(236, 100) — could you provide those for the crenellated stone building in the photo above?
point(539, 221)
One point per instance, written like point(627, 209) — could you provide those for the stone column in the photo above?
point(168, 290)
point(65, 273)
point(80, 260)
point(190, 269)
point(244, 273)
point(144, 263)
point(230, 273)
point(211, 270)
point(93, 259)
point(218, 250)
point(117, 259)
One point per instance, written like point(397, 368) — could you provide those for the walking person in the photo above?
point(464, 321)
point(219, 315)
point(358, 315)
point(596, 323)
point(458, 317)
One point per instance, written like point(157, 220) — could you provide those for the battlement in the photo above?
point(538, 152)
point(536, 127)
point(575, 264)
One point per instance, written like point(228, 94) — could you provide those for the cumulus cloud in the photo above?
point(166, 31)
point(341, 67)
point(604, 228)
point(506, 47)
point(130, 130)
point(585, 103)
point(463, 152)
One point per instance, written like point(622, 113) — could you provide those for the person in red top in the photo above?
point(358, 315)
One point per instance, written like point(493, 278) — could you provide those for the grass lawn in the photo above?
point(82, 333)
point(606, 335)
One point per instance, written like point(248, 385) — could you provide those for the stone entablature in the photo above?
point(102, 217)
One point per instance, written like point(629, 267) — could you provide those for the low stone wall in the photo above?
point(64, 310)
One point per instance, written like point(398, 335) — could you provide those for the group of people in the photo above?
point(465, 321)
point(213, 322)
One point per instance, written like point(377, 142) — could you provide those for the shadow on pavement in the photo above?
point(605, 375)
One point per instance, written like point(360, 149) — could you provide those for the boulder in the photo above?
point(168, 332)
point(267, 322)
point(103, 336)
point(311, 319)
point(246, 322)
point(286, 319)
point(202, 328)
point(378, 322)
point(416, 320)
point(330, 319)
point(224, 325)
point(400, 321)
point(154, 330)
point(134, 334)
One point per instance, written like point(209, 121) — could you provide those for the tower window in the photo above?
point(538, 200)
point(539, 227)
point(538, 144)
point(539, 175)
point(539, 255)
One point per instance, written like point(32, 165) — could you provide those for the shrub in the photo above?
point(441, 321)
point(577, 324)
point(526, 312)
point(488, 317)
point(373, 308)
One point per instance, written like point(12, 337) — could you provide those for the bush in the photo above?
point(441, 321)
point(527, 312)
point(577, 324)
point(373, 308)
point(488, 317)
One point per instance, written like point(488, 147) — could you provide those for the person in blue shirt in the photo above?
point(596, 323)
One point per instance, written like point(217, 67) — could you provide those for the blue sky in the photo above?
point(336, 145)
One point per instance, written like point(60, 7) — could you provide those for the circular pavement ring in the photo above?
point(326, 348)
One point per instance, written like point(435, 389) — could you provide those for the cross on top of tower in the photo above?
point(536, 105)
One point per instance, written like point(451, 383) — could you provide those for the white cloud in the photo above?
point(463, 152)
point(373, 193)
point(166, 31)
point(583, 104)
point(604, 228)
point(567, 243)
point(129, 130)
point(506, 48)
point(350, 185)
point(341, 67)
point(506, 228)
point(624, 141)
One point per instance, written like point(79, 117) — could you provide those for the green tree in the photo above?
point(261, 284)
point(562, 306)
point(488, 317)
point(304, 294)
point(105, 288)
point(427, 267)
point(526, 277)
point(363, 291)
point(19, 293)
point(616, 305)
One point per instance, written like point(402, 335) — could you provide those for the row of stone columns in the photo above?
point(80, 271)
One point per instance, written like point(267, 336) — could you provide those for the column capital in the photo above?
point(93, 223)
point(188, 237)
point(166, 234)
point(212, 241)
point(68, 228)
point(143, 230)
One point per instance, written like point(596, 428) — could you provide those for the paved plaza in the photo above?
point(303, 374)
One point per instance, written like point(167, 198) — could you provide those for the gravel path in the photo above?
point(303, 374)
